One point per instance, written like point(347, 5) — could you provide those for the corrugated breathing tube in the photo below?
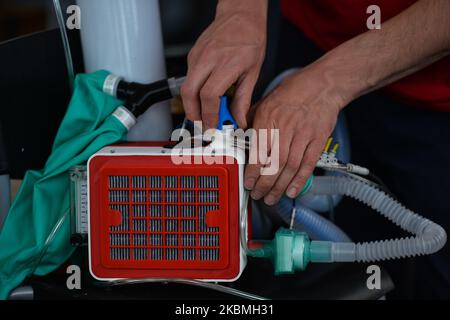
point(429, 237)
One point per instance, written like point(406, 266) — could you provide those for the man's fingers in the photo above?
point(190, 90)
point(251, 115)
point(219, 81)
point(290, 169)
point(253, 169)
point(309, 161)
point(242, 99)
point(278, 156)
point(270, 151)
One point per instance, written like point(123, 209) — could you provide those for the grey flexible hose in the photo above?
point(429, 237)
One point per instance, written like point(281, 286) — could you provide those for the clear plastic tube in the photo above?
point(208, 285)
point(65, 40)
point(244, 220)
point(49, 240)
point(197, 283)
point(429, 237)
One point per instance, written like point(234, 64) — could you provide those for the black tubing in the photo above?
point(139, 97)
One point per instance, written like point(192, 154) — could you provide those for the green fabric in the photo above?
point(43, 198)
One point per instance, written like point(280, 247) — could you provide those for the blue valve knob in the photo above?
point(225, 117)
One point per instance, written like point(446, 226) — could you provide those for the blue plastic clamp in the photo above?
point(225, 115)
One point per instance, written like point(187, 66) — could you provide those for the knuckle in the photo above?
point(265, 185)
point(292, 164)
point(251, 171)
point(299, 180)
point(277, 190)
point(207, 94)
point(308, 167)
point(210, 51)
point(302, 176)
point(187, 91)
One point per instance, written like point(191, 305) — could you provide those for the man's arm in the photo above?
point(412, 40)
point(305, 106)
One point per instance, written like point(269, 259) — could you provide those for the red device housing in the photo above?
point(150, 218)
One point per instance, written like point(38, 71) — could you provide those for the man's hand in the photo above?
point(304, 108)
point(230, 51)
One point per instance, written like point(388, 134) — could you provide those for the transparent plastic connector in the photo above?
point(78, 206)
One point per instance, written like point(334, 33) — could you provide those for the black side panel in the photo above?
point(3, 159)
point(34, 93)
